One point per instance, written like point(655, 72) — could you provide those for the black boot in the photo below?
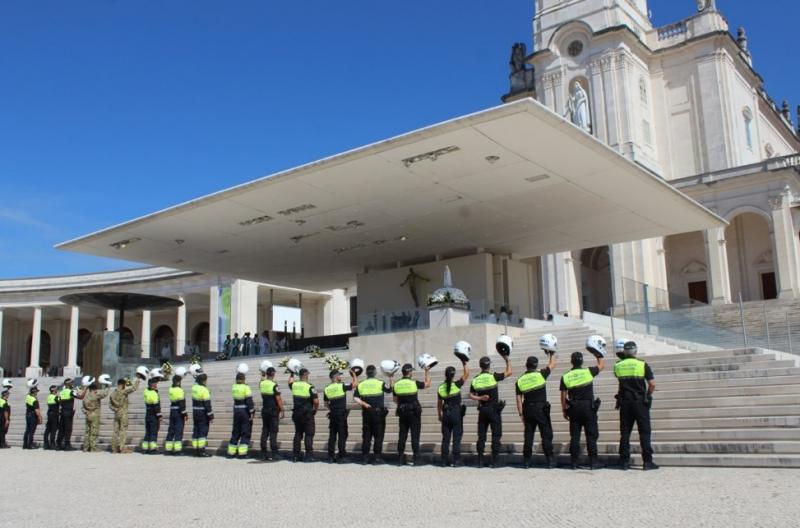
point(573, 462)
point(624, 464)
point(595, 464)
point(550, 462)
point(527, 462)
point(649, 465)
point(480, 460)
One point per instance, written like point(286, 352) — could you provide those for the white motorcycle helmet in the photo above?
point(32, 382)
point(294, 366)
point(142, 372)
point(427, 361)
point(242, 368)
point(390, 366)
point(195, 369)
point(265, 365)
point(180, 371)
point(462, 350)
point(358, 366)
point(619, 347)
point(504, 345)
point(548, 343)
point(104, 379)
point(596, 345)
point(7, 383)
point(156, 374)
point(87, 380)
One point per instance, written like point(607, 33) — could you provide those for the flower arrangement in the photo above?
point(195, 358)
point(284, 362)
point(448, 297)
point(314, 351)
point(166, 368)
point(334, 362)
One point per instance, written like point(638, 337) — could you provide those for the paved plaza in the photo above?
point(57, 489)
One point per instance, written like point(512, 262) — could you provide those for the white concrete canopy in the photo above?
point(511, 179)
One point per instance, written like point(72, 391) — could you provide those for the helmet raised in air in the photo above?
point(596, 346)
point(462, 350)
point(504, 345)
point(548, 343)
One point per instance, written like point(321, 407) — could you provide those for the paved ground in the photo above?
point(49, 489)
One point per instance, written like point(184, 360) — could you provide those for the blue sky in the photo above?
point(113, 109)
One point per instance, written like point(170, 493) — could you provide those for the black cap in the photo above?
point(407, 368)
point(334, 373)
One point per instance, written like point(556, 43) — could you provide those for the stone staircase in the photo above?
point(732, 408)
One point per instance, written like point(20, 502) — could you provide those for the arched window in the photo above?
point(748, 127)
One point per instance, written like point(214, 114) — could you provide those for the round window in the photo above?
point(575, 48)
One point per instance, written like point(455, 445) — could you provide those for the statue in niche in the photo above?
point(411, 281)
point(578, 107)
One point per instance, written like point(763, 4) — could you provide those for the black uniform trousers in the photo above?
point(65, 429)
point(489, 416)
point(303, 430)
point(410, 420)
point(175, 428)
point(452, 427)
point(50, 429)
point(269, 430)
point(582, 416)
point(373, 425)
point(242, 427)
point(30, 429)
point(199, 426)
point(630, 412)
point(151, 426)
point(2, 428)
point(337, 427)
point(537, 414)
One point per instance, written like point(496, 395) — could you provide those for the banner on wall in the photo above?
point(224, 315)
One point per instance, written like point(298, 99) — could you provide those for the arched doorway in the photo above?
point(596, 293)
point(163, 342)
point(687, 269)
point(44, 350)
point(200, 337)
point(84, 336)
point(750, 258)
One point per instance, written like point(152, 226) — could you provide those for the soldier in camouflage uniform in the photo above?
point(91, 408)
point(119, 404)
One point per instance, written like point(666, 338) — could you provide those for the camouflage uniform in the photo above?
point(91, 408)
point(119, 403)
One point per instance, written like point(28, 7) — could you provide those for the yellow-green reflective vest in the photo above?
point(370, 387)
point(629, 368)
point(576, 378)
point(454, 390)
point(30, 400)
point(200, 393)
point(3, 403)
point(240, 391)
point(176, 394)
point(267, 387)
point(334, 391)
point(530, 381)
point(51, 399)
point(484, 381)
point(65, 394)
point(151, 397)
point(405, 387)
point(301, 389)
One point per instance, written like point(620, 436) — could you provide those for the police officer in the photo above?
point(534, 409)
point(451, 413)
point(5, 418)
point(634, 399)
point(243, 411)
point(484, 390)
point(202, 415)
point(91, 408)
point(51, 427)
point(66, 413)
point(335, 397)
point(33, 416)
point(119, 404)
point(152, 416)
point(370, 396)
point(409, 411)
point(271, 412)
point(578, 404)
point(304, 408)
point(177, 417)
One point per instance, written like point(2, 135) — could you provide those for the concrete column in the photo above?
point(145, 333)
point(244, 307)
point(336, 314)
point(34, 370)
point(110, 320)
point(180, 338)
point(2, 372)
point(71, 370)
point(786, 246)
point(559, 285)
point(718, 272)
point(213, 319)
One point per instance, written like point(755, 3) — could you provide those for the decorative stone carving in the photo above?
point(765, 258)
point(694, 266)
point(578, 108)
point(521, 78)
point(601, 63)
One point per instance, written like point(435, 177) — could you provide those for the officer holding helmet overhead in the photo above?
point(484, 390)
point(409, 411)
point(449, 407)
point(532, 404)
point(370, 396)
point(635, 397)
point(335, 398)
point(578, 403)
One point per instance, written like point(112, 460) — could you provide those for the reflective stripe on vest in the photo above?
point(484, 381)
point(200, 393)
point(267, 387)
point(454, 390)
point(65, 394)
point(530, 381)
point(334, 391)
point(176, 394)
point(240, 391)
point(576, 378)
point(51, 399)
point(370, 387)
point(150, 397)
point(405, 387)
point(301, 389)
point(30, 401)
point(629, 368)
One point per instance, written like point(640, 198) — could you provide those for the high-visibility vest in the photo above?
point(151, 397)
point(241, 391)
point(629, 368)
point(267, 387)
point(405, 387)
point(65, 394)
point(176, 394)
point(370, 387)
point(30, 401)
point(334, 391)
point(576, 378)
point(454, 390)
point(530, 381)
point(301, 389)
point(3, 403)
point(51, 399)
point(200, 393)
point(484, 381)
